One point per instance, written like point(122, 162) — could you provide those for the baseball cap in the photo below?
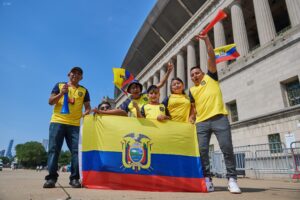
point(77, 69)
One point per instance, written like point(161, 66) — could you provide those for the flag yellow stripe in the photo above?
point(223, 48)
point(105, 133)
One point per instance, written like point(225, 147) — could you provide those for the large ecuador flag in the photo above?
point(122, 78)
point(139, 154)
point(225, 53)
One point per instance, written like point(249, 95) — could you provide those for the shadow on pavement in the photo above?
point(244, 190)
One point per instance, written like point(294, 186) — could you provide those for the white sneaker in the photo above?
point(209, 185)
point(233, 186)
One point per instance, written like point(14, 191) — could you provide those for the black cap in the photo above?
point(77, 69)
point(134, 82)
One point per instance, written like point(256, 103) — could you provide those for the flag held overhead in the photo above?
point(122, 78)
point(225, 53)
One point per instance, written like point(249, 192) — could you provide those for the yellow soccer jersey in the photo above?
point(207, 98)
point(178, 106)
point(80, 95)
point(153, 111)
point(127, 106)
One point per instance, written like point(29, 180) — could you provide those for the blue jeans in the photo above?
point(219, 125)
point(57, 133)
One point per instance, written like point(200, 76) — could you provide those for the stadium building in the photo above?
point(261, 88)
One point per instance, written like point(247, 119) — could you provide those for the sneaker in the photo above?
point(233, 186)
point(209, 185)
point(75, 183)
point(49, 184)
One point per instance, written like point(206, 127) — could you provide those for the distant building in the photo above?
point(45, 144)
point(2, 152)
point(8, 152)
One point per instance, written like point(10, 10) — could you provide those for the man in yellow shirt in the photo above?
point(66, 125)
point(211, 117)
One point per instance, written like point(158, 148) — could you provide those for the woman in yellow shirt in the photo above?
point(178, 103)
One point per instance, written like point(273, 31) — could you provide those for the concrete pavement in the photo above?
point(27, 184)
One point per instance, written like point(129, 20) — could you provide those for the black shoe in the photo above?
point(49, 184)
point(75, 183)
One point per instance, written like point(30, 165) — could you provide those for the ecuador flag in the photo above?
point(140, 154)
point(122, 78)
point(225, 53)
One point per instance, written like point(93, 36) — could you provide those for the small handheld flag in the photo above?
point(122, 78)
point(225, 53)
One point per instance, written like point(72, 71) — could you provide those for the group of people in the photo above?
point(203, 106)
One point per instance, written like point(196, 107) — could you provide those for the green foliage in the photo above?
point(64, 158)
point(31, 154)
point(5, 160)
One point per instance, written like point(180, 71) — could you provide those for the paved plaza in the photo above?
point(27, 184)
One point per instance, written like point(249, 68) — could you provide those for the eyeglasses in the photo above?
point(104, 107)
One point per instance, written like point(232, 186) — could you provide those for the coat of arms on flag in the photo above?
point(136, 152)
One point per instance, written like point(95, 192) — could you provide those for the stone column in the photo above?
point(293, 7)
point(203, 56)
point(180, 67)
point(149, 82)
point(155, 79)
point(220, 40)
point(191, 62)
point(163, 89)
point(239, 29)
point(264, 21)
point(172, 75)
point(144, 87)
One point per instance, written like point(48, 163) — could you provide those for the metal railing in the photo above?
point(256, 161)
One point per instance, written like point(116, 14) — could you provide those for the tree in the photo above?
point(31, 154)
point(64, 158)
point(5, 160)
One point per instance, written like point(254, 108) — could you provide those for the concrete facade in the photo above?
point(255, 81)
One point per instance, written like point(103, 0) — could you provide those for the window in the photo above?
point(293, 92)
point(291, 89)
point(233, 112)
point(275, 143)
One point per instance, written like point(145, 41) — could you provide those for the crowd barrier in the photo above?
point(270, 160)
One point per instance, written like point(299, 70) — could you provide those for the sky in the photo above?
point(41, 40)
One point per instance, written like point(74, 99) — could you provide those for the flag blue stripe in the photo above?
point(227, 53)
point(161, 164)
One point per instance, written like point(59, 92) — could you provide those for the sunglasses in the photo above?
point(104, 107)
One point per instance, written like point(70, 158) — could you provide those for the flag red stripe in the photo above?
point(234, 55)
point(117, 181)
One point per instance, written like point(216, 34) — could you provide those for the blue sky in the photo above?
point(41, 40)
